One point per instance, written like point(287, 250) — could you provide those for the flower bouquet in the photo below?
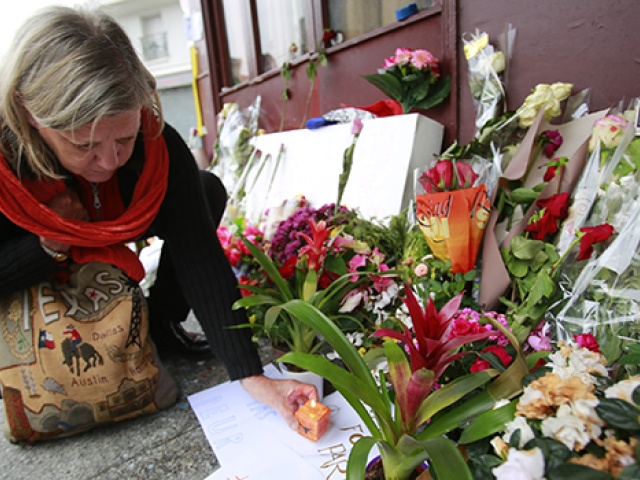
point(412, 78)
point(320, 265)
point(573, 420)
point(452, 209)
point(602, 297)
point(487, 73)
point(245, 267)
point(545, 161)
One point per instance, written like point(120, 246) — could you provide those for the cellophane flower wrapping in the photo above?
point(603, 296)
point(452, 209)
point(233, 148)
point(487, 73)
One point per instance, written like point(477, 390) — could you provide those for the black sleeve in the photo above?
point(23, 263)
point(204, 273)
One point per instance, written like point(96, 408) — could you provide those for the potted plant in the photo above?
point(400, 419)
point(321, 274)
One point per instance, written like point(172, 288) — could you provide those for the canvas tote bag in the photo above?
point(77, 354)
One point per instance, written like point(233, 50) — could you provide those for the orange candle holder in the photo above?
point(313, 420)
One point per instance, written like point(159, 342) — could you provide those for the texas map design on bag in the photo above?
point(75, 355)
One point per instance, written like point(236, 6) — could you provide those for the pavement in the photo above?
point(166, 445)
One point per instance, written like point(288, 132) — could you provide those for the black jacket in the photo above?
point(183, 222)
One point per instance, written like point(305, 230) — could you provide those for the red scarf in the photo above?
point(102, 241)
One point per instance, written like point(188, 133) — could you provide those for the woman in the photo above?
point(82, 132)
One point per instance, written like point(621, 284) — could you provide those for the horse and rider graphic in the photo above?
point(73, 347)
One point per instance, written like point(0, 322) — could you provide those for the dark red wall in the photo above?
point(590, 43)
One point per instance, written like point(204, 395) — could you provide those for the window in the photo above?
point(357, 17)
point(154, 38)
point(260, 33)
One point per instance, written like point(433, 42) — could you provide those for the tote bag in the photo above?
point(76, 354)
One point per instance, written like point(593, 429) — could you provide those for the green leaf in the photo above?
point(488, 423)
point(310, 285)
point(525, 249)
point(357, 463)
point(390, 85)
point(438, 94)
point(270, 269)
point(570, 471)
point(446, 460)
point(619, 414)
point(451, 393)
point(630, 472)
point(344, 381)
point(524, 195)
point(518, 268)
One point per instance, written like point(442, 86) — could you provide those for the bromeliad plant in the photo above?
point(400, 417)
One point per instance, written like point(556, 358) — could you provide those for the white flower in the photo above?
point(623, 389)
point(519, 423)
point(355, 338)
point(567, 428)
point(521, 465)
point(529, 395)
point(351, 301)
point(574, 361)
point(586, 410)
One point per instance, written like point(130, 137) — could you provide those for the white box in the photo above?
point(381, 180)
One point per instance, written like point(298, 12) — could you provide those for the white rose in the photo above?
point(623, 389)
point(521, 465)
point(566, 428)
point(519, 423)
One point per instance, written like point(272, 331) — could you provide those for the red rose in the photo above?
point(588, 341)
point(593, 235)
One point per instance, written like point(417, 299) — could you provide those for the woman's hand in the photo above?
point(284, 396)
point(67, 204)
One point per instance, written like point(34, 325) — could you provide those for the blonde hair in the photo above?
point(68, 67)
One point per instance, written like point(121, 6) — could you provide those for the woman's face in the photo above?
point(95, 151)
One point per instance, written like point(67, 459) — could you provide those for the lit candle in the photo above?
point(313, 420)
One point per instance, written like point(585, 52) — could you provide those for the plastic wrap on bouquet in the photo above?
point(523, 167)
point(604, 298)
point(487, 68)
point(453, 224)
point(607, 163)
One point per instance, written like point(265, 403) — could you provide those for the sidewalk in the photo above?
point(167, 445)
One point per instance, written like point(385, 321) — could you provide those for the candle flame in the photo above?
point(312, 403)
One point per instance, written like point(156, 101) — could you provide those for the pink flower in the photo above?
point(421, 270)
point(466, 175)
point(389, 62)
point(356, 126)
point(538, 339)
point(233, 256)
point(423, 59)
point(443, 177)
point(356, 262)
point(588, 341)
point(462, 327)
point(403, 55)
